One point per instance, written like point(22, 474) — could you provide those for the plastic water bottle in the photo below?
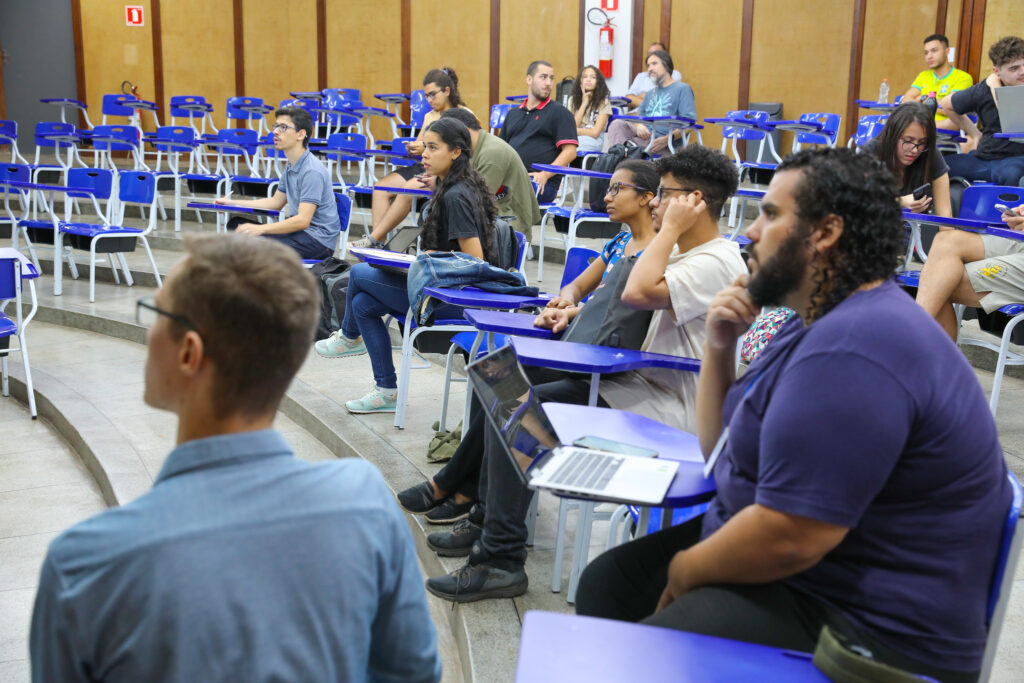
point(932, 102)
point(883, 92)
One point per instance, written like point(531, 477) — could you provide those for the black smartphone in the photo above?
point(920, 192)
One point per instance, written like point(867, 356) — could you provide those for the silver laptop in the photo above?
point(541, 461)
point(1010, 101)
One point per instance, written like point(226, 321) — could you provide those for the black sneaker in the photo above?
point(449, 511)
point(457, 542)
point(418, 499)
point(473, 582)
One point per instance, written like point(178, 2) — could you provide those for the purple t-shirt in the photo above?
point(872, 419)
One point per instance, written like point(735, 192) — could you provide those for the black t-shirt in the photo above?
point(457, 219)
point(915, 176)
point(536, 134)
point(978, 99)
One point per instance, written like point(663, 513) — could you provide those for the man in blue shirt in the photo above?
point(860, 481)
point(668, 98)
point(242, 563)
point(312, 225)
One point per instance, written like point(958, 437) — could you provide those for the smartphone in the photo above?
point(599, 444)
point(1005, 209)
point(920, 192)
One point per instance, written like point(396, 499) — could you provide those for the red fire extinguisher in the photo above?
point(604, 49)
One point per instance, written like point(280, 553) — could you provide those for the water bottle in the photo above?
point(883, 92)
point(932, 102)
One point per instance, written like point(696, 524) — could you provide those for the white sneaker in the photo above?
point(336, 346)
point(367, 243)
point(377, 401)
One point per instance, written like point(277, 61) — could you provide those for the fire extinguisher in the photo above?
point(606, 36)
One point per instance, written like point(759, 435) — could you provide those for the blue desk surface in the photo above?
point(750, 193)
point(515, 98)
point(570, 648)
point(307, 95)
point(504, 322)
point(44, 187)
point(877, 106)
point(995, 228)
point(392, 97)
point(209, 206)
point(570, 170)
point(383, 257)
point(573, 357)
point(28, 269)
point(62, 101)
point(796, 126)
point(404, 190)
point(1011, 135)
point(478, 298)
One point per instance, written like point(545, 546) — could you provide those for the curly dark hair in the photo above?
point(705, 169)
point(916, 174)
point(642, 173)
point(597, 100)
point(435, 230)
point(1006, 50)
point(858, 189)
point(445, 78)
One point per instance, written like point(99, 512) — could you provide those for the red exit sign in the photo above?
point(133, 15)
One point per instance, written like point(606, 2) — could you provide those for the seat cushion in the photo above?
point(35, 224)
point(7, 326)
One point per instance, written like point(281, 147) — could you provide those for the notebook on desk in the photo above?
point(541, 461)
point(1010, 102)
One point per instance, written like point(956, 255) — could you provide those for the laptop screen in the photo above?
point(511, 407)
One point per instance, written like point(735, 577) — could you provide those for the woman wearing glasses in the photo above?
point(907, 148)
point(441, 88)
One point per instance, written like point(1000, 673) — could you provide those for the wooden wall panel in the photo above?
point(711, 67)
point(199, 51)
point(537, 29)
point(1002, 18)
point(953, 21)
point(271, 73)
point(652, 22)
point(469, 56)
point(364, 49)
point(812, 77)
point(113, 53)
point(890, 50)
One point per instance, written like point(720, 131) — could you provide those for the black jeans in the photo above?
point(301, 241)
point(626, 582)
point(506, 499)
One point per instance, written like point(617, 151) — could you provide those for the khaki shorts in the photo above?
point(1000, 273)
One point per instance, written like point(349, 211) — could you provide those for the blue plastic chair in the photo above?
point(113, 105)
point(54, 136)
point(827, 136)
point(15, 270)
point(9, 137)
point(346, 148)
point(498, 114)
point(255, 110)
point(120, 138)
point(418, 109)
point(193, 107)
point(110, 235)
point(868, 128)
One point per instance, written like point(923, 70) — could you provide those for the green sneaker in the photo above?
point(336, 346)
point(374, 402)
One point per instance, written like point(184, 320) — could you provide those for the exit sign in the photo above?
point(133, 15)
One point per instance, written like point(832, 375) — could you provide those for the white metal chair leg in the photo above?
point(615, 523)
point(30, 392)
point(531, 518)
point(5, 388)
point(152, 261)
point(582, 548)
point(1004, 353)
point(403, 373)
point(445, 388)
point(128, 279)
point(563, 510)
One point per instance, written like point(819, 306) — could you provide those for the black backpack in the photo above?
point(332, 274)
point(563, 93)
point(607, 163)
point(605, 320)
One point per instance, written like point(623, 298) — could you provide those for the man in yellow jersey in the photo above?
point(940, 77)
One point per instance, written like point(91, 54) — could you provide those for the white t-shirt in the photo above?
point(642, 83)
point(693, 279)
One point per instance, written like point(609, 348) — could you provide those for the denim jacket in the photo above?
point(455, 270)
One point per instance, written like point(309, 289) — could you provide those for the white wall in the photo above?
point(622, 47)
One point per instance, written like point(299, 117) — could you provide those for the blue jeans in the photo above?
point(307, 246)
point(372, 294)
point(1005, 171)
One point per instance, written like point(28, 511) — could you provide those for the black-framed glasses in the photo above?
point(911, 146)
point(431, 95)
point(660, 194)
point(614, 188)
point(282, 127)
point(146, 312)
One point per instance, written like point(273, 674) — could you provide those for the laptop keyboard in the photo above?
point(587, 469)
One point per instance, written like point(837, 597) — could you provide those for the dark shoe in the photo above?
point(457, 542)
point(449, 511)
point(473, 582)
point(418, 499)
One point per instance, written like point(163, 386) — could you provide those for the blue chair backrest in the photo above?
point(752, 115)
point(828, 134)
point(418, 107)
point(299, 102)
point(521, 245)
point(979, 201)
point(128, 134)
point(498, 114)
point(178, 100)
point(113, 105)
point(344, 203)
point(576, 261)
point(270, 151)
point(136, 187)
point(51, 127)
point(233, 111)
point(346, 141)
point(350, 94)
point(8, 281)
point(21, 173)
point(869, 127)
point(239, 136)
point(8, 129)
point(183, 134)
point(1009, 529)
point(99, 180)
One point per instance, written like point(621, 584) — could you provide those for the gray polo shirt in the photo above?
point(307, 181)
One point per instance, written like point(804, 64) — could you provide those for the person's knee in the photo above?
point(592, 591)
point(950, 244)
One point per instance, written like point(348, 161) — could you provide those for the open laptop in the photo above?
point(541, 461)
point(1010, 101)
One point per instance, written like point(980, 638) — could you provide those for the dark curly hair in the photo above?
point(1006, 50)
point(917, 173)
point(705, 169)
point(445, 78)
point(642, 173)
point(859, 190)
point(435, 230)
point(597, 100)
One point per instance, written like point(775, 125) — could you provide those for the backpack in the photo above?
point(607, 163)
point(563, 93)
point(332, 274)
point(605, 320)
point(505, 244)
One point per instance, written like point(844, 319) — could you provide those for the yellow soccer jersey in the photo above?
point(955, 80)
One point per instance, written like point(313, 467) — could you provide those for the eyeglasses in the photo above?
point(431, 95)
point(911, 146)
point(614, 188)
point(282, 127)
point(662, 190)
point(146, 312)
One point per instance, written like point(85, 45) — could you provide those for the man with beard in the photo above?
point(669, 97)
point(839, 454)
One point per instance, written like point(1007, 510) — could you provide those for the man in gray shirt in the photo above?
point(667, 98)
point(312, 225)
point(242, 563)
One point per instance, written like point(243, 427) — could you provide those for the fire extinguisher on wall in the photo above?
point(606, 36)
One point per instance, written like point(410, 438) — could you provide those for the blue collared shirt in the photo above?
point(242, 563)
